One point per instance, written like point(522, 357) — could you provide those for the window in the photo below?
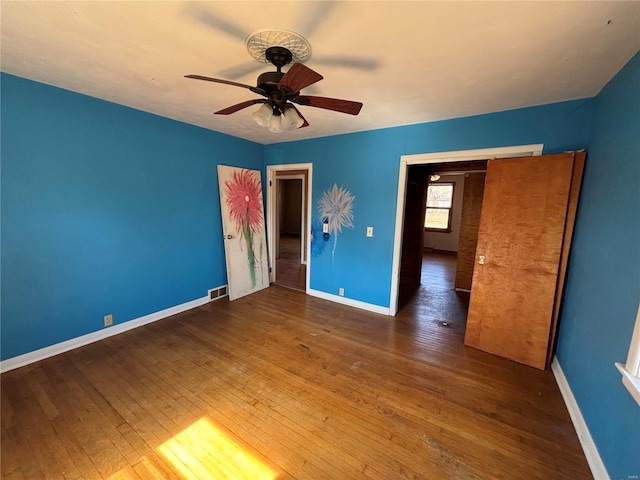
point(631, 371)
point(439, 207)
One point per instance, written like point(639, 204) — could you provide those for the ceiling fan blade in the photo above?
point(241, 70)
point(314, 14)
point(298, 77)
point(305, 124)
point(344, 106)
point(216, 22)
point(227, 82)
point(239, 106)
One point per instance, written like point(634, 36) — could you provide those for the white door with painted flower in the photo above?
point(243, 229)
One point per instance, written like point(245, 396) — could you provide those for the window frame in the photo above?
point(631, 370)
point(450, 219)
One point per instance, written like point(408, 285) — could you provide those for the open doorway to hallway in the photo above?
point(290, 263)
point(288, 224)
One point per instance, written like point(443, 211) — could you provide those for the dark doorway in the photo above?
point(431, 261)
point(290, 265)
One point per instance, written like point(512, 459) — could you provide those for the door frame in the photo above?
point(440, 157)
point(272, 205)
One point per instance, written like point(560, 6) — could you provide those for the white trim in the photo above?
point(633, 358)
point(630, 381)
point(631, 370)
point(440, 157)
point(271, 214)
point(477, 154)
point(41, 354)
point(349, 302)
point(596, 465)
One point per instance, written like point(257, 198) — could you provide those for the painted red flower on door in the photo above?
point(244, 199)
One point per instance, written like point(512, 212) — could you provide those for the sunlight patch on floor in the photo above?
point(199, 452)
point(202, 451)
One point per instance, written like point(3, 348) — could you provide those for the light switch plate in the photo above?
point(369, 231)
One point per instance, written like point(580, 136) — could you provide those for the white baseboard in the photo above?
point(41, 354)
point(596, 465)
point(347, 301)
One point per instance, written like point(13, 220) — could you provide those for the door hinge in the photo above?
point(270, 183)
point(269, 269)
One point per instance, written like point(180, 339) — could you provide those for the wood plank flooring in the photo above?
point(282, 385)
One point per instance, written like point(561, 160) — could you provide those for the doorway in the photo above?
point(288, 226)
point(520, 254)
point(438, 248)
point(289, 248)
point(412, 268)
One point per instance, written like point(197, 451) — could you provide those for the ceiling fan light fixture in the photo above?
point(292, 119)
point(276, 124)
point(263, 115)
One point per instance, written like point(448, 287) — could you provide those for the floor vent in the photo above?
point(216, 293)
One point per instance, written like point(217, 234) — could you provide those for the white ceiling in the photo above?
point(408, 62)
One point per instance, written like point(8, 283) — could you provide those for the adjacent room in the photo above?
point(260, 240)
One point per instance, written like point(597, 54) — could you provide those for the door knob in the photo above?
point(228, 237)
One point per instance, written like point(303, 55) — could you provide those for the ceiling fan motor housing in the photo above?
point(268, 81)
point(278, 56)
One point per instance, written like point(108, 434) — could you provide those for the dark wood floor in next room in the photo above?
point(290, 272)
point(283, 385)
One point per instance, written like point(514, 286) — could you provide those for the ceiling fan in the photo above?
point(282, 90)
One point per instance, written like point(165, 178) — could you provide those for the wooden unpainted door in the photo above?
point(518, 256)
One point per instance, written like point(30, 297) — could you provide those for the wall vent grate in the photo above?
point(216, 293)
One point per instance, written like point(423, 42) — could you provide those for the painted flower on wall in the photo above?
point(318, 238)
point(244, 198)
point(335, 206)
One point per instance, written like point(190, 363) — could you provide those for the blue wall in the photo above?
point(105, 209)
point(367, 164)
point(603, 285)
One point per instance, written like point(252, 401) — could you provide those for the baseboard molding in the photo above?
point(588, 445)
point(58, 348)
point(348, 301)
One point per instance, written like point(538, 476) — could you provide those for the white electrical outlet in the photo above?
point(369, 231)
point(108, 320)
point(341, 292)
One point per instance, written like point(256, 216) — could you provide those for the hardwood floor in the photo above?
point(290, 272)
point(282, 385)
